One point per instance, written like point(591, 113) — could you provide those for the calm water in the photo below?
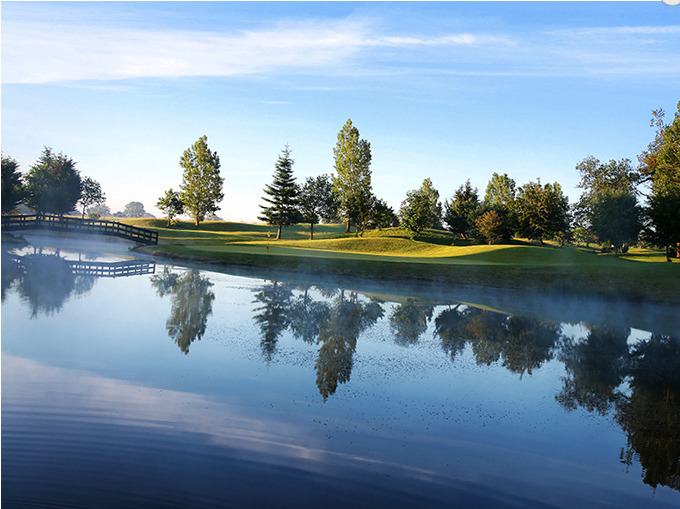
point(169, 386)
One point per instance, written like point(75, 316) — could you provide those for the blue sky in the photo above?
point(446, 90)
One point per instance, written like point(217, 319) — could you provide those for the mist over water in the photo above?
point(129, 382)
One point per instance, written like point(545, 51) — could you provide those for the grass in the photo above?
point(434, 256)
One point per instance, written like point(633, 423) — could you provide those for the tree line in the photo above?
point(620, 205)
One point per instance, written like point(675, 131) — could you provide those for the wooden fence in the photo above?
point(75, 224)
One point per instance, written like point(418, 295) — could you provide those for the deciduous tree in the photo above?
point(543, 211)
point(53, 183)
point(201, 189)
point(12, 185)
point(171, 205)
point(421, 209)
point(317, 201)
point(90, 194)
point(353, 180)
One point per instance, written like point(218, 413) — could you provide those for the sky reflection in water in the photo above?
point(180, 387)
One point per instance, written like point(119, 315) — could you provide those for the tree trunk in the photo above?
point(196, 219)
point(278, 233)
point(311, 231)
point(348, 226)
point(542, 244)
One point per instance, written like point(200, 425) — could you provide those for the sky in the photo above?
point(445, 90)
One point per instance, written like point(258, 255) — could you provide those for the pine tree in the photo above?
point(202, 185)
point(282, 195)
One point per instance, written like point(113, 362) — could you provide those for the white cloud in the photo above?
point(44, 53)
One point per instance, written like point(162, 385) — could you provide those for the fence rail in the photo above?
point(75, 224)
point(99, 269)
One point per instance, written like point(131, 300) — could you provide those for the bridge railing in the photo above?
point(65, 223)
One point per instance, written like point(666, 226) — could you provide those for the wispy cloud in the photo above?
point(42, 53)
point(45, 52)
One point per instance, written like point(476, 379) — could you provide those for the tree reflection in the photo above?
point(273, 315)
point(306, 315)
point(409, 320)
point(523, 344)
point(191, 304)
point(650, 415)
point(338, 333)
point(596, 367)
point(11, 272)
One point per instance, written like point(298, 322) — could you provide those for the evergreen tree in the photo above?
point(353, 181)
point(202, 185)
point(461, 213)
point(282, 195)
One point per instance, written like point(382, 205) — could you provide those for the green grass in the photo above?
point(433, 256)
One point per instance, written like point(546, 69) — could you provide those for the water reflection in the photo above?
point(46, 280)
point(607, 371)
point(191, 304)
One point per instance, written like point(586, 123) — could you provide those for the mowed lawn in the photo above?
point(435, 255)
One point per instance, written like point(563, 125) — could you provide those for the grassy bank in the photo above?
point(435, 256)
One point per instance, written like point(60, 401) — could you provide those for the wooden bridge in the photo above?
point(75, 224)
point(98, 269)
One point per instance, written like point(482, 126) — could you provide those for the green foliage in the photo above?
point(615, 218)
point(614, 176)
point(90, 193)
point(201, 188)
point(99, 210)
point(382, 215)
point(352, 183)
point(461, 213)
point(317, 201)
point(53, 184)
point(171, 205)
point(500, 192)
point(421, 209)
point(543, 211)
point(192, 301)
point(664, 172)
point(282, 195)
point(12, 185)
point(134, 209)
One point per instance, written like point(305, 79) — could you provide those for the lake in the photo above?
point(134, 383)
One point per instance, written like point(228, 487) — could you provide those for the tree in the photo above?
point(201, 188)
point(543, 211)
point(171, 205)
point(282, 195)
point(134, 209)
point(662, 166)
point(90, 193)
point(317, 201)
point(490, 227)
point(353, 180)
point(382, 215)
point(500, 192)
point(608, 205)
point(421, 209)
point(615, 218)
point(461, 213)
point(53, 184)
point(12, 185)
point(102, 210)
